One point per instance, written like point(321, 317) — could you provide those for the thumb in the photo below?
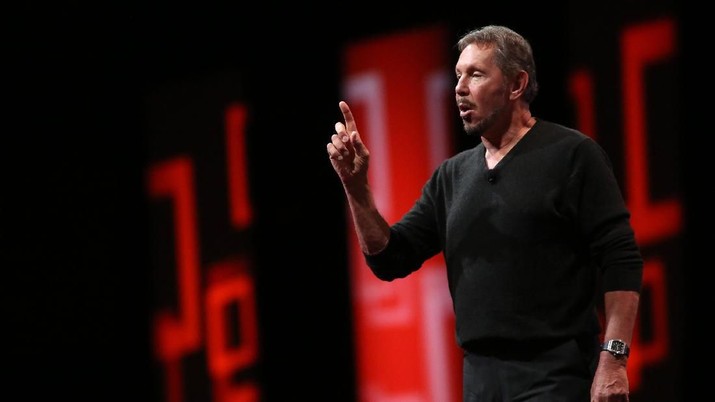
point(360, 148)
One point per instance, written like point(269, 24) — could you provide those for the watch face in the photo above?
point(617, 347)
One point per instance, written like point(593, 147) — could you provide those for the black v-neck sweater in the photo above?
point(528, 244)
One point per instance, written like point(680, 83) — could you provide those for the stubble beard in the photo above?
point(478, 128)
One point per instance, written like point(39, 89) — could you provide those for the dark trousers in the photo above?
point(546, 371)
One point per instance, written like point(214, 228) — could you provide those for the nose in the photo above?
point(461, 88)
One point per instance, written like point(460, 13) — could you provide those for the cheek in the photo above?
point(490, 94)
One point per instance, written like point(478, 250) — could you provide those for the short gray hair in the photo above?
point(513, 53)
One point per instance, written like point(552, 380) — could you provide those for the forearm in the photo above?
point(371, 228)
point(621, 309)
point(610, 382)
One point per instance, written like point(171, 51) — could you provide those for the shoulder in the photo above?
point(554, 137)
point(556, 131)
point(580, 150)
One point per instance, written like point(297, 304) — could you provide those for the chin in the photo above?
point(472, 130)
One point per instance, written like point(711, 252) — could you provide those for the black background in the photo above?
point(76, 291)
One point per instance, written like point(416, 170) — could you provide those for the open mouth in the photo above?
point(464, 109)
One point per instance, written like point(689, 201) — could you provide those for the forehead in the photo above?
point(476, 55)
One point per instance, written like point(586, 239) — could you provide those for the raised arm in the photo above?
point(349, 157)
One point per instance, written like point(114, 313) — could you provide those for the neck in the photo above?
point(497, 146)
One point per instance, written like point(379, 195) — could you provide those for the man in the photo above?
point(533, 229)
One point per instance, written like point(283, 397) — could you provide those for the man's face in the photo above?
point(481, 90)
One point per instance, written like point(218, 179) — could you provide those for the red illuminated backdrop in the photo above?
point(206, 335)
point(400, 90)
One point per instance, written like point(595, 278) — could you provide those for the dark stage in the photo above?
point(99, 94)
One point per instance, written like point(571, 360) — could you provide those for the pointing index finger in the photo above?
point(348, 116)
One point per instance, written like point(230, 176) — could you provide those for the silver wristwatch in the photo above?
point(617, 347)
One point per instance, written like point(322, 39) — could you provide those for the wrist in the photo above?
point(618, 348)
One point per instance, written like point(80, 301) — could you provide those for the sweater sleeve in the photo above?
point(605, 219)
point(413, 239)
point(397, 260)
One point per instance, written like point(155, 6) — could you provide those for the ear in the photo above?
point(518, 85)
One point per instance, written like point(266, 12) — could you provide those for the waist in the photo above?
point(524, 348)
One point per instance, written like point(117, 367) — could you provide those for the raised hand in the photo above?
point(348, 154)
